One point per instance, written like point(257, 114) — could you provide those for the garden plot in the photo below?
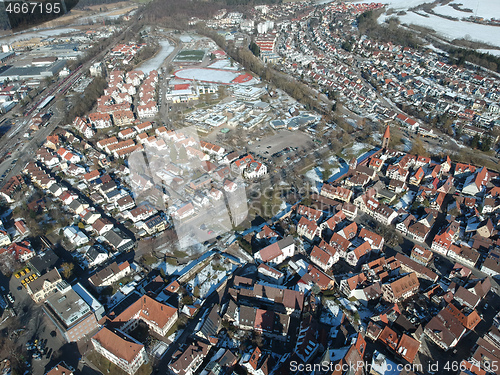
point(332, 314)
point(206, 280)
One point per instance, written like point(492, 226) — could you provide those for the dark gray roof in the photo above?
point(247, 315)
point(231, 311)
point(113, 193)
point(211, 324)
point(33, 71)
point(153, 221)
point(93, 252)
point(44, 261)
point(75, 204)
point(108, 186)
point(54, 187)
point(287, 241)
point(119, 240)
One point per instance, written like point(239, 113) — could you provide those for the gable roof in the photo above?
point(119, 344)
point(148, 309)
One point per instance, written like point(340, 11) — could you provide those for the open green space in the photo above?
point(190, 55)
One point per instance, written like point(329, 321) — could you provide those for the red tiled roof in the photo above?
point(118, 345)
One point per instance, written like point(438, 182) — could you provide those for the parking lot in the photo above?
point(35, 326)
point(283, 138)
point(25, 276)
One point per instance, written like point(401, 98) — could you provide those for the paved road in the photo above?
point(165, 78)
point(26, 152)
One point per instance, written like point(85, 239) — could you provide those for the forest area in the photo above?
point(388, 32)
point(176, 13)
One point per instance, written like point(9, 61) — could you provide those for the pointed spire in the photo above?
point(386, 138)
point(387, 133)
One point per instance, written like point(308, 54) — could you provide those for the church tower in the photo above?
point(386, 138)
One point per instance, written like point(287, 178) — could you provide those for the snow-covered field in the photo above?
point(33, 33)
point(316, 175)
point(224, 64)
point(452, 29)
point(188, 38)
point(154, 63)
point(486, 9)
point(400, 4)
point(494, 52)
point(207, 75)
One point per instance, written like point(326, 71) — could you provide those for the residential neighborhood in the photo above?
point(262, 188)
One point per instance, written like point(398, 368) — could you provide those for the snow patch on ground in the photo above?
point(210, 276)
point(400, 4)
point(207, 75)
point(155, 62)
point(356, 150)
point(315, 175)
point(452, 29)
point(434, 48)
point(494, 52)
point(487, 9)
point(224, 64)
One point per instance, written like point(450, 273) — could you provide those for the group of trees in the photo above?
point(82, 104)
point(291, 86)
point(176, 13)
point(146, 52)
point(461, 55)
point(87, 3)
point(418, 148)
point(388, 31)
point(249, 2)
point(483, 144)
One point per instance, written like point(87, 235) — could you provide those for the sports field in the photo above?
point(193, 55)
point(221, 76)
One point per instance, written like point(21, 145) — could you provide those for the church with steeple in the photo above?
point(386, 138)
